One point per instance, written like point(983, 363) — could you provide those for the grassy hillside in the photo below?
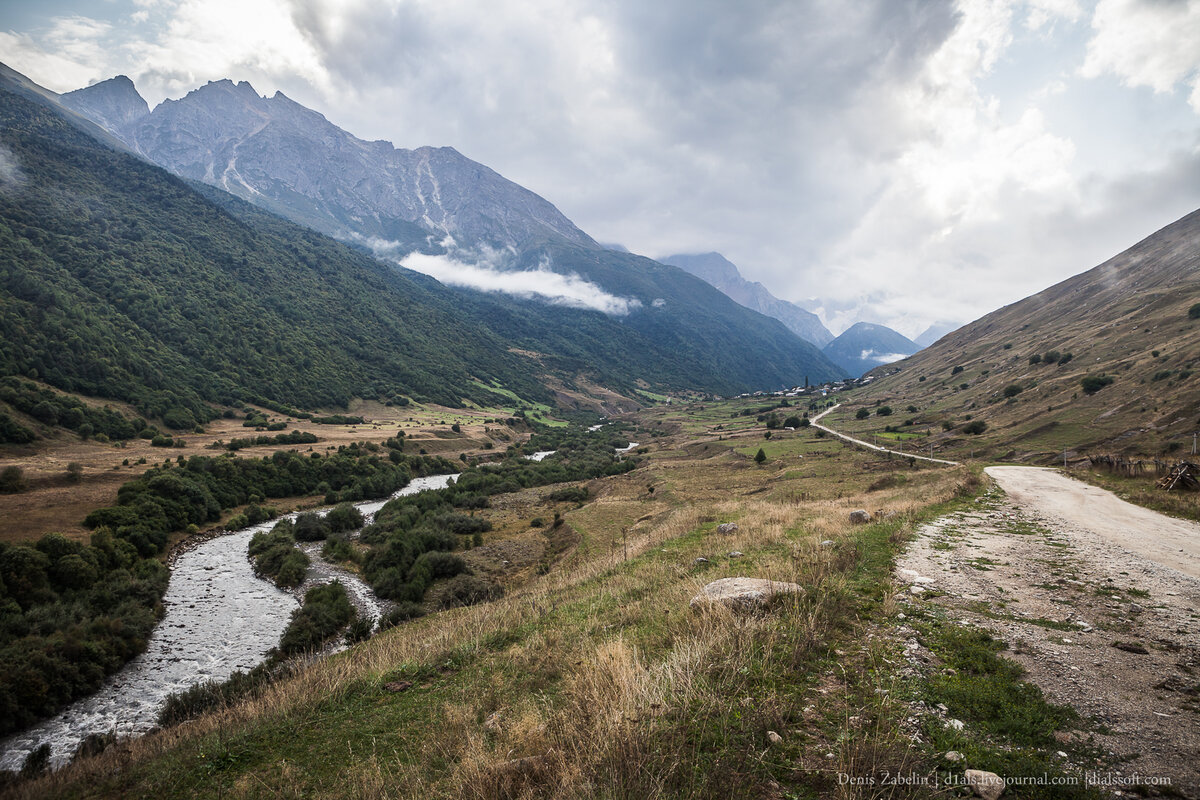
point(595, 679)
point(121, 281)
point(1106, 361)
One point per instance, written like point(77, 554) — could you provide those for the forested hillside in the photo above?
point(121, 281)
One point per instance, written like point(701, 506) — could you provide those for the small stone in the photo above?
point(827, 543)
point(916, 590)
point(955, 724)
point(736, 554)
point(492, 723)
point(987, 785)
point(953, 755)
point(860, 516)
point(727, 527)
point(773, 737)
point(701, 560)
point(1134, 608)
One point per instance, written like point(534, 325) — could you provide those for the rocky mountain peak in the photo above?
point(113, 104)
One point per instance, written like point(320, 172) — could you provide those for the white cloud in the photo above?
point(535, 284)
point(1154, 44)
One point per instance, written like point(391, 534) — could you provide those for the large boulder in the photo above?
point(727, 527)
point(860, 516)
point(744, 594)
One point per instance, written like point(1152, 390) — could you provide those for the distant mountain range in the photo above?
point(349, 326)
point(721, 273)
point(864, 346)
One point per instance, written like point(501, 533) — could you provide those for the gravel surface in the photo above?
point(1092, 596)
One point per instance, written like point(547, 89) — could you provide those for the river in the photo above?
point(220, 617)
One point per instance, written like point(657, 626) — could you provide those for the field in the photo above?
point(592, 678)
point(53, 502)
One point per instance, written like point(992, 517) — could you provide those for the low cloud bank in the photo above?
point(881, 358)
point(479, 271)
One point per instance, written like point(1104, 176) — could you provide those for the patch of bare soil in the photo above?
point(1105, 630)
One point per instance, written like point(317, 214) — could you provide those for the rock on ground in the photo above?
point(744, 594)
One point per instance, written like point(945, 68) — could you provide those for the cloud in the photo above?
point(483, 269)
point(880, 358)
point(11, 176)
point(540, 284)
point(1154, 43)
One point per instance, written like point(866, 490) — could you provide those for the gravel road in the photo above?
point(1099, 600)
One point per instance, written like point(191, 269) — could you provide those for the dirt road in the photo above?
point(1171, 542)
point(816, 423)
point(1098, 600)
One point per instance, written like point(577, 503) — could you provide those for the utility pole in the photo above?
point(1193, 444)
point(1064, 458)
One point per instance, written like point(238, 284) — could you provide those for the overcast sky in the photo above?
point(904, 161)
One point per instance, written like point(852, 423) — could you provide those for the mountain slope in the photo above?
point(679, 332)
point(1127, 319)
point(119, 280)
point(864, 346)
point(715, 269)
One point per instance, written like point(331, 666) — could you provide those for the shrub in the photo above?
point(883, 411)
point(1013, 389)
point(956, 370)
point(1036, 358)
point(760, 456)
point(404, 611)
point(1064, 358)
point(1194, 312)
point(1094, 383)
point(975, 427)
point(1051, 357)
point(326, 610)
point(468, 590)
point(345, 517)
point(571, 494)
point(12, 480)
point(310, 527)
point(791, 422)
point(862, 413)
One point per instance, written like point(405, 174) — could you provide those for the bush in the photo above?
point(404, 611)
point(310, 527)
point(345, 517)
point(862, 413)
point(12, 480)
point(956, 370)
point(468, 590)
point(883, 411)
point(1051, 357)
point(571, 494)
point(792, 422)
point(1064, 358)
point(1013, 389)
point(1094, 383)
point(975, 427)
point(760, 456)
point(1194, 312)
point(326, 611)
point(1036, 358)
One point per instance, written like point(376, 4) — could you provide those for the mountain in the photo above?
point(864, 346)
point(1107, 361)
point(120, 280)
point(113, 104)
point(715, 269)
point(934, 332)
point(664, 326)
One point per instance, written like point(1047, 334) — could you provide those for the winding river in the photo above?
point(220, 617)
